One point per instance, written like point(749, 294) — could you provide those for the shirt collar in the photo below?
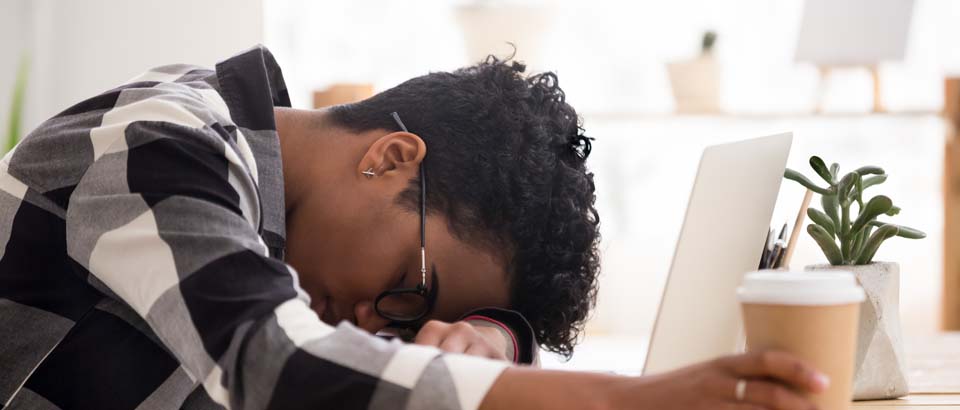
point(252, 84)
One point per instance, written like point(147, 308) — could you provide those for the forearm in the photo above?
point(774, 380)
point(530, 388)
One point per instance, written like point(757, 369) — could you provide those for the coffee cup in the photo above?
point(812, 315)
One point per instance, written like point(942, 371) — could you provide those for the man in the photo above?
point(188, 241)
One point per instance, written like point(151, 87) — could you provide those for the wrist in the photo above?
point(498, 334)
point(516, 329)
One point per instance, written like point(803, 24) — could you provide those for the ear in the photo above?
point(394, 154)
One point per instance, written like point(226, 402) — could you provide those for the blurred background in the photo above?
point(859, 82)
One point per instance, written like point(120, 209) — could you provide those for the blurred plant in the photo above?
point(846, 242)
point(16, 105)
point(708, 41)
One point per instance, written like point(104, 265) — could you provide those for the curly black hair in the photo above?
point(506, 166)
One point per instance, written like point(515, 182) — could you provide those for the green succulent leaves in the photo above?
point(821, 168)
point(831, 207)
point(822, 220)
point(871, 245)
point(802, 180)
point(825, 240)
point(902, 231)
point(845, 240)
point(867, 170)
point(845, 187)
point(877, 206)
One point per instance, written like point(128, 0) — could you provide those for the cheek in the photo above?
point(363, 273)
point(352, 262)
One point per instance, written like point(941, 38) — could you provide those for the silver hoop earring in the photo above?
point(369, 173)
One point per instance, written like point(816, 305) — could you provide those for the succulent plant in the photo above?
point(845, 240)
point(707, 42)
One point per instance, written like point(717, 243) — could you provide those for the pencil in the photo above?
point(767, 246)
point(796, 228)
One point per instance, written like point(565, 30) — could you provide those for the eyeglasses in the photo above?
point(405, 307)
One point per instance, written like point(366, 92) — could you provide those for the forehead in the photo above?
point(469, 276)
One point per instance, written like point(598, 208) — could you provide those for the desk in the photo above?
point(934, 374)
point(933, 368)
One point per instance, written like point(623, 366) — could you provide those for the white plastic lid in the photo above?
point(800, 288)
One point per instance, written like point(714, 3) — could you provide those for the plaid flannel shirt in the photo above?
point(142, 264)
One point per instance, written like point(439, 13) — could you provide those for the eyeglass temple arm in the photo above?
point(423, 211)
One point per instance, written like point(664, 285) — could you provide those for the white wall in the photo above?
point(12, 38)
point(80, 48)
point(610, 54)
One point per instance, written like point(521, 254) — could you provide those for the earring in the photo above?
point(369, 173)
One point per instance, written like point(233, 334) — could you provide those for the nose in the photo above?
point(368, 319)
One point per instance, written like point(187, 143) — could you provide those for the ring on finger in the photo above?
point(741, 390)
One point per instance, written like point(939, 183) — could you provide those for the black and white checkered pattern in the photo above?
point(141, 266)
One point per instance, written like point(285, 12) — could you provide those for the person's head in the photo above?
point(511, 218)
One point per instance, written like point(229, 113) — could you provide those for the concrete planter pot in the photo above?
point(490, 28)
point(881, 371)
point(696, 85)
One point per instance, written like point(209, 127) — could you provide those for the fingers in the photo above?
point(769, 395)
point(781, 366)
point(742, 406)
point(481, 351)
point(431, 333)
point(459, 337)
point(455, 342)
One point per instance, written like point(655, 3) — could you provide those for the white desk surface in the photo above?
point(934, 368)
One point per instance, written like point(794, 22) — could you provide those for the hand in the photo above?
point(774, 381)
point(462, 337)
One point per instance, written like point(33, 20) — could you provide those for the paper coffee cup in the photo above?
point(812, 315)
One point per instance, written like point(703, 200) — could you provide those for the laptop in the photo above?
point(723, 234)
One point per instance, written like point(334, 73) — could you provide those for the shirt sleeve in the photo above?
point(166, 220)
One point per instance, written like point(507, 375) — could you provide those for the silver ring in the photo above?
point(741, 389)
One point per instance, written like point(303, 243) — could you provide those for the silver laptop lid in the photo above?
point(726, 223)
